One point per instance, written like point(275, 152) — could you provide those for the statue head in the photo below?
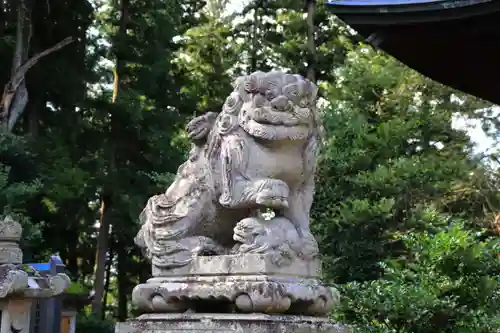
point(248, 229)
point(271, 106)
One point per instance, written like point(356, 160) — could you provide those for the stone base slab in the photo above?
point(228, 323)
point(242, 264)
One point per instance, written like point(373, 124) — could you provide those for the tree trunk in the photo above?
point(105, 221)
point(311, 44)
point(33, 118)
point(123, 283)
point(101, 257)
point(120, 248)
point(107, 282)
point(15, 94)
point(255, 36)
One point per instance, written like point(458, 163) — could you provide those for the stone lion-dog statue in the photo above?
point(258, 153)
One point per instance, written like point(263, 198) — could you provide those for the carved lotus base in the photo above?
point(245, 283)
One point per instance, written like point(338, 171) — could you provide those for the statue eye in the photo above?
point(269, 94)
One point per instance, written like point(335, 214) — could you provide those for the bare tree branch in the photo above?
point(15, 95)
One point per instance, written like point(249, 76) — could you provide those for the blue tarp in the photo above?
point(45, 267)
point(40, 267)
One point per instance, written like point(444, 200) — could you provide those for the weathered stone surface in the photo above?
point(276, 237)
point(211, 248)
point(10, 230)
point(10, 253)
point(259, 152)
point(16, 316)
point(229, 323)
point(238, 283)
point(242, 264)
point(17, 286)
point(10, 235)
point(14, 280)
point(48, 286)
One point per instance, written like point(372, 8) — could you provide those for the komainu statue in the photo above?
point(258, 154)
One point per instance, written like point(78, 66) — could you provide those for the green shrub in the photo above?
point(91, 324)
point(448, 282)
point(18, 183)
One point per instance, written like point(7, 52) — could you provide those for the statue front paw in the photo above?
point(274, 194)
point(204, 246)
point(199, 127)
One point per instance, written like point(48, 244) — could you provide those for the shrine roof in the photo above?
point(456, 42)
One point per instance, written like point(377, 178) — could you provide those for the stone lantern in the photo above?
point(20, 285)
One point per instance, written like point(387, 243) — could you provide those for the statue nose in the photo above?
point(280, 103)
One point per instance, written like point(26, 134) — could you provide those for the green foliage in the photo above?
point(18, 184)
point(389, 151)
point(207, 56)
point(90, 324)
point(447, 282)
point(76, 289)
point(16, 187)
point(281, 38)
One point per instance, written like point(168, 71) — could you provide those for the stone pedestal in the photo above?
point(228, 323)
point(235, 294)
point(246, 283)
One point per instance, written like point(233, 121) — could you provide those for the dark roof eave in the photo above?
point(460, 51)
point(387, 6)
point(388, 13)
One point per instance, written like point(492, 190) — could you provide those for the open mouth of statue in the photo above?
point(269, 116)
point(238, 238)
point(275, 132)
